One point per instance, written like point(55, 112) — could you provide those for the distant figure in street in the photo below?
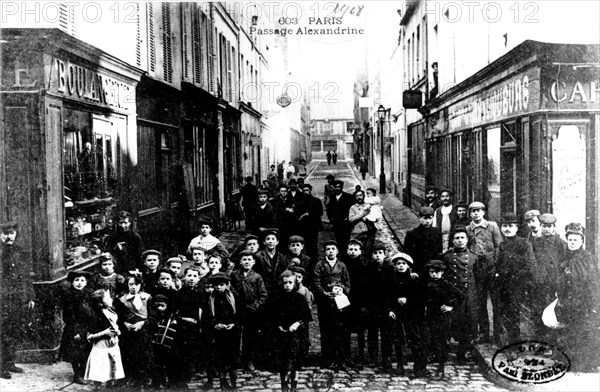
point(249, 196)
point(364, 166)
point(356, 157)
point(272, 178)
point(290, 171)
point(280, 171)
point(334, 157)
point(328, 157)
point(16, 297)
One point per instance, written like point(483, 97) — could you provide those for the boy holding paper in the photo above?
point(330, 277)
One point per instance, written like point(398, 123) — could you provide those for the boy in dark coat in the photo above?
point(358, 312)
point(222, 322)
point(296, 250)
point(460, 266)
point(514, 276)
point(440, 298)
point(423, 243)
point(331, 323)
point(76, 314)
point(250, 287)
point(290, 314)
point(270, 263)
point(401, 305)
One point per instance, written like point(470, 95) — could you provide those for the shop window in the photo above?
point(329, 145)
point(493, 173)
point(315, 146)
point(418, 148)
point(90, 159)
point(202, 159)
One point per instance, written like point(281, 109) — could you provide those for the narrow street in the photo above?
point(459, 377)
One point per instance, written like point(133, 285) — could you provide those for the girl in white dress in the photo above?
point(104, 363)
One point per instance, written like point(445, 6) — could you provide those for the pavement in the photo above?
point(476, 376)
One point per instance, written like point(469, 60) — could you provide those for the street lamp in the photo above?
point(381, 114)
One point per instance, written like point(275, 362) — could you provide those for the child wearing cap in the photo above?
point(289, 314)
point(423, 243)
point(401, 305)
point(270, 263)
point(107, 278)
point(299, 272)
point(164, 324)
point(189, 308)
point(175, 264)
point(252, 292)
point(440, 299)
point(222, 322)
point(358, 313)
point(460, 271)
point(513, 281)
point(376, 274)
point(296, 250)
point(76, 314)
point(578, 303)
point(331, 323)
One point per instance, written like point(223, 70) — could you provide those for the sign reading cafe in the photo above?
point(509, 98)
point(84, 84)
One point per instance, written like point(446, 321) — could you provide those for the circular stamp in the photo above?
point(531, 362)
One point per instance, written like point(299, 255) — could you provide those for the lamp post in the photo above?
point(381, 113)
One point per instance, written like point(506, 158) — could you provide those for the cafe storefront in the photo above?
point(523, 133)
point(68, 140)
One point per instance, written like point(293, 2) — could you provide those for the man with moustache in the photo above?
point(445, 217)
point(262, 215)
point(16, 297)
point(311, 223)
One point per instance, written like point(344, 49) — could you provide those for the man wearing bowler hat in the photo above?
point(16, 297)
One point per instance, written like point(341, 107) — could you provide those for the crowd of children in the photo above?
point(161, 323)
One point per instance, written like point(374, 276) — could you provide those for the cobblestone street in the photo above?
point(459, 377)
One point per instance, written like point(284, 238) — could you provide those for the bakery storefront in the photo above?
point(68, 140)
point(522, 134)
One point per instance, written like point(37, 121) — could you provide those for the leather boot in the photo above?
point(233, 379)
point(294, 386)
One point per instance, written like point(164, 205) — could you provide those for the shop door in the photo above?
point(54, 183)
point(492, 175)
point(105, 148)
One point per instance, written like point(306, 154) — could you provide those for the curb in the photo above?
point(492, 376)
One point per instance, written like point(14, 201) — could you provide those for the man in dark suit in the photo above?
point(284, 215)
point(337, 211)
point(310, 222)
point(298, 204)
point(262, 215)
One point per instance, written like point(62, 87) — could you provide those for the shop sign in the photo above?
point(84, 84)
point(573, 88)
point(507, 99)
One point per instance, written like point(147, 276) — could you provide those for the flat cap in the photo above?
point(378, 246)
point(402, 256)
point(263, 192)
point(435, 264)
point(250, 237)
point(510, 217)
point(160, 298)
point(531, 214)
point(124, 214)
point(330, 242)
point(298, 269)
point(356, 242)
point(274, 232)
point(9, 226)
point(459, 229)
point(295, 238)
point(174, 259)
point(150, 252)
point(426, 211)
point(547, 218)
point(219, 277)
point(477, 205)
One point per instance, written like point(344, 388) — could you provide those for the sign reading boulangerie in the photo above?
point(84, 84)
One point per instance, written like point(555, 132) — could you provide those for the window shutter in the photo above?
point(212, 62)
point(229, 73)
point(197, 47)
point(66, 19)
point(151, 44)
point(138, 37)
point(185, 26)
point(167, 56)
